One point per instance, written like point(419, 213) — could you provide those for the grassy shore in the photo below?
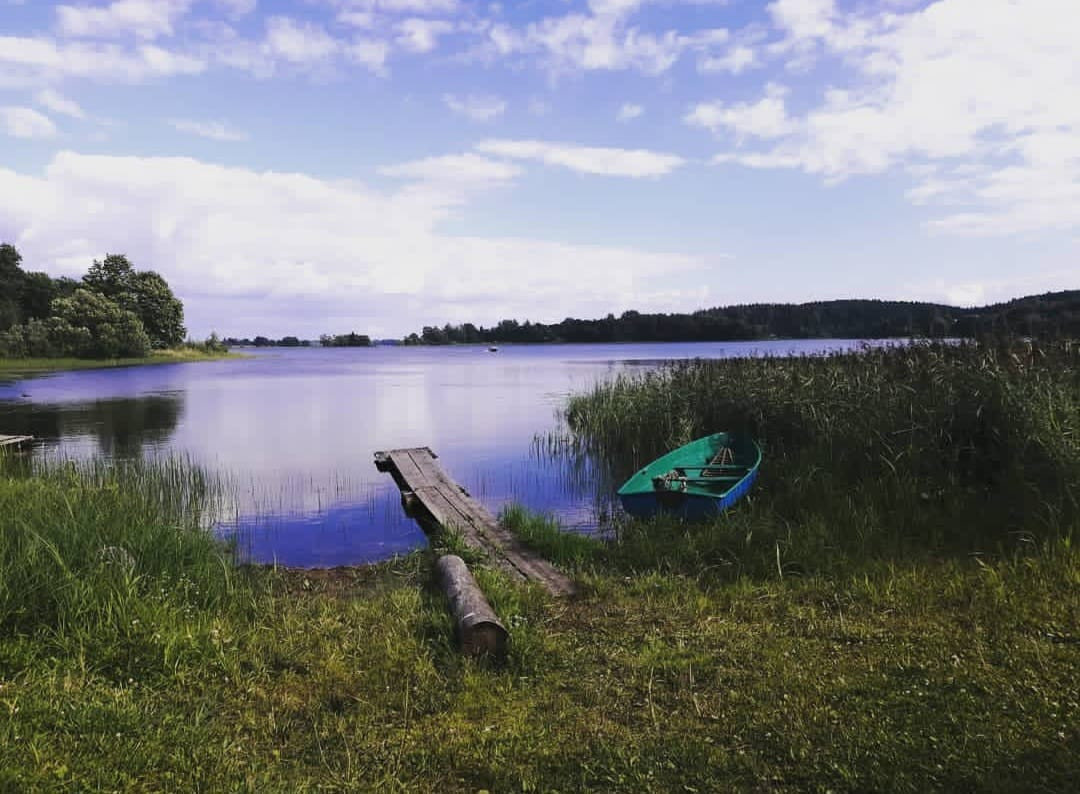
point(838, 631)
point(22, 367)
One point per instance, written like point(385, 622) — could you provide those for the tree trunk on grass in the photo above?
point(475, 623)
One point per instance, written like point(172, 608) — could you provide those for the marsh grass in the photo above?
point(92, 555)
point(925, 448)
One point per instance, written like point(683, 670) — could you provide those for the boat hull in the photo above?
point(697, 497)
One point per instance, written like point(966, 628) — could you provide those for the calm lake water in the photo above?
point(294, 431)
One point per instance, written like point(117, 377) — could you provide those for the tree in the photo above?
point(38, 292)
point(96, 327)
point(143, 292)
point(112, 278)
point(11, 281)
point(65, 287)
point(161, 312)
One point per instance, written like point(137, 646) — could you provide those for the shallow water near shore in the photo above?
point(291, 433)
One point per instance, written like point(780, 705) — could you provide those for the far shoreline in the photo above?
point(12, 369)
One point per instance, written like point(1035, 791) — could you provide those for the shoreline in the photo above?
point(18, 368)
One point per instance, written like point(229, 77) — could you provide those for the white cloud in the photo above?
point(159, 61)
point(214, 130)
point(298, 42)
point(470, 169)
point(766, 118)
point(803, 19)
point(21, 122)
point(476, 107)
point(240, 240)
point(629, 111)
point(421, 35)
point(602, 39)
point(51, 99)
point(370, 53)
point(145, 19)
point(984, 90)
point(32, 61)
point(736, 60)
point(586, 159)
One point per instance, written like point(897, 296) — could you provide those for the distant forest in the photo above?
point(1054, 314)
point(352, 339)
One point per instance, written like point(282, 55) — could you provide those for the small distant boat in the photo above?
point(493, 349)
point(695, 481)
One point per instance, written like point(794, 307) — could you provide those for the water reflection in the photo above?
point(115, 428)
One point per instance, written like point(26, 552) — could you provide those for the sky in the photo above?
point(325, 166)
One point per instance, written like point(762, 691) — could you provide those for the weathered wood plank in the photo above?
point(14, 440)
point(402, 465)
point(448, 517)
point(443, 502)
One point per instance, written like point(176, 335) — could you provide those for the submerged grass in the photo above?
point(786, 647)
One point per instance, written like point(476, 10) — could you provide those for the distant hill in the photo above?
point(1051, 314)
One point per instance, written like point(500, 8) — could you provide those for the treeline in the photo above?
point(113, 311)
point(265, 341)
point(1054, 314)
point(326, 340)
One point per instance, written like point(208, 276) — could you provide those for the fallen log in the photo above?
point(478, 629)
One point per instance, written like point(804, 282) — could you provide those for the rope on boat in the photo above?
point(674, 480)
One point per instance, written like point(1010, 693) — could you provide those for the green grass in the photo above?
point(21, 367)
point(810, 640)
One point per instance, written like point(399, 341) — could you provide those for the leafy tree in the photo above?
point(161, 312)
point(38, 292)
point(113, 331)
point(112, 277)
point(213, 344)
point(351, 339)
point(143, 292)
point(65, 287)
point(11, 280)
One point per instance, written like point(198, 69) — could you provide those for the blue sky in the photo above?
point(329, 165)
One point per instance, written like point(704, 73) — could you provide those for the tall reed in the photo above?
point(110, 555)
point(935, 445)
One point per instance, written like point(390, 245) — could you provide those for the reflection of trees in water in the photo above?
point(122, 427)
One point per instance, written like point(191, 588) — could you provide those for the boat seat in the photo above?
point(726, 478)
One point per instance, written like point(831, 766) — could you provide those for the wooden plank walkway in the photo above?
point(16, 441)
point(427, 489)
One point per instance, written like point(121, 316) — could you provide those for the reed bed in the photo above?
point(934, 448)
point(110, 562)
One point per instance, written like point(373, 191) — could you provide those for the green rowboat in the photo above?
point(695, 481)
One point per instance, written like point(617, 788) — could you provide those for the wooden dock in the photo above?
point(14, 441)
point(436, 501)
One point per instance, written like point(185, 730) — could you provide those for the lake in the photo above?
point(293, 431)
